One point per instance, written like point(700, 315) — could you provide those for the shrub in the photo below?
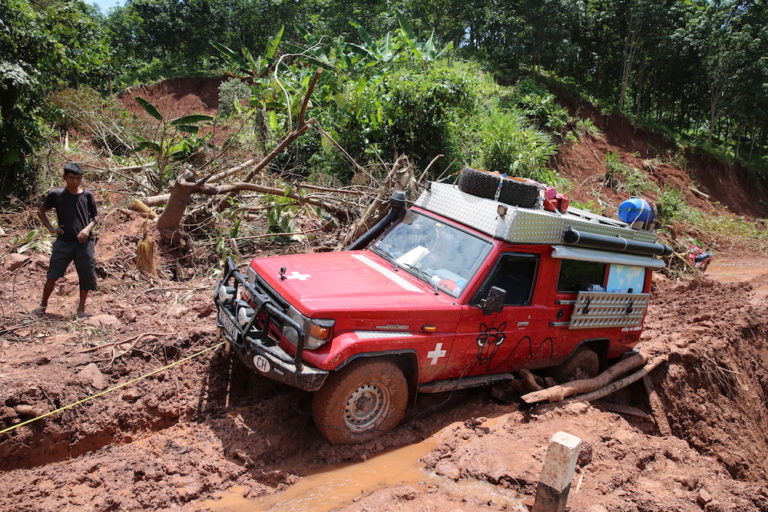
point(84, 109)
point(538, 105)
point(231, 92)
point(624, 178)
point(510, 147)
point(670, 205)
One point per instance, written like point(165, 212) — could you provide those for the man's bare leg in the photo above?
point(81, 304)
point(48, 287)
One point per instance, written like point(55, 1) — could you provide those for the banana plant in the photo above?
point(175, 140)
point(426, 51)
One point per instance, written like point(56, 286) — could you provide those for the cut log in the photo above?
point(657, 408)
point(620, 384)
point(142, 208)
point(699, 193)
point(560, 393)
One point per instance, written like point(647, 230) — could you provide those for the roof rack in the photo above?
point(520, 225)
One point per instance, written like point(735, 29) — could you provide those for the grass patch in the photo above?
point(625, 178)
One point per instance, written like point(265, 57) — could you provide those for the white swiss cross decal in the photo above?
point(436, 354)
point(296, 275)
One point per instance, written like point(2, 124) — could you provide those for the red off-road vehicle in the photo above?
point(454, 292)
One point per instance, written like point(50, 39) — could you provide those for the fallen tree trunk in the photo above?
point(620, 384)
point(561, 392)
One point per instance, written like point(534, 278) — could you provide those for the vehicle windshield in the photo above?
point(435, 252)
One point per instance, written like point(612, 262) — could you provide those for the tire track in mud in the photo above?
point(209, 426)
point(174, 438)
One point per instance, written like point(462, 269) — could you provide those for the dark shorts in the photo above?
point(64, 252)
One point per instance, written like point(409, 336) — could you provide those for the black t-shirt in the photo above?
point(73, 211)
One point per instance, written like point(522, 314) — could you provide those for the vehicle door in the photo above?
point(516, 337)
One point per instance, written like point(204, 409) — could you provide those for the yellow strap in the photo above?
point(119, 386)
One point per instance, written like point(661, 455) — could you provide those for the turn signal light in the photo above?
point(319, 331)
point(429, 328)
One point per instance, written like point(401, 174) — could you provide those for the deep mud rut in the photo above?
point(207, 435)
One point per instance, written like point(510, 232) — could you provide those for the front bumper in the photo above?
point(252, 342)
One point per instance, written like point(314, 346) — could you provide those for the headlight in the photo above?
point(244, 314)
point(226, 293)
point(318, 331)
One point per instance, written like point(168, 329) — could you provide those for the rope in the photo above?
point(119, 386)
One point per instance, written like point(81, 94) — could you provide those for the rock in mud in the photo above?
point(177, 311)
point(29, 411)
point(102, 321)
point(92, 376)
point(704, 497)
point(448, 470)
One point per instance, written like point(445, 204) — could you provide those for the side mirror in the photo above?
point(494, 301)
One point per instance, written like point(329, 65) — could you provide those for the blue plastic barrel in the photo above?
point(635, 209)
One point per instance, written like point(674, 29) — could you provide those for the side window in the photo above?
point(514, 273)
point(625, 279)
point(578, 275)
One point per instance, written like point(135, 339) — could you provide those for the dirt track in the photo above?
point(187, 437)
point(181, 437)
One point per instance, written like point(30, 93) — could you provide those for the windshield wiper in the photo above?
point(387, 255)
point(420, 273)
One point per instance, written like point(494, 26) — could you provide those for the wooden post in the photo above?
point(557, 473)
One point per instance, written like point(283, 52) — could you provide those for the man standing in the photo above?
point(76, 216)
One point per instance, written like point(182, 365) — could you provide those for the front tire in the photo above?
point(360, 402)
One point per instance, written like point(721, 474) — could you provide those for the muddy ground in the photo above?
point(205, 429)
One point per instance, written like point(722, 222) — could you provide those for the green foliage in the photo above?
point(587, 127)
point(83, 109)
point(624, 178)
point(670, 205)
point(171, 142)
point(43, 46)
point(539, 106)
point(414, 110)
point(510, 147)
point(37, 240)
point(752, 232)
point(697, 66)
point(231, 94)
point(281, 216)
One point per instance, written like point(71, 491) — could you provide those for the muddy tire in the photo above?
point(485, 184)
point(360, 402)
point(583, 364)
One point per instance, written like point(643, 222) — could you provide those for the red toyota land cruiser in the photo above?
point(454, 292)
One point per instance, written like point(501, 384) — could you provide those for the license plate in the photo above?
point(227, 325)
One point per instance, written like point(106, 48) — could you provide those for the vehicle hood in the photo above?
point(349, 281)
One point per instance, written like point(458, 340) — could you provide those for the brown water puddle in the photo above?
point(329, 488)
point(333, 487)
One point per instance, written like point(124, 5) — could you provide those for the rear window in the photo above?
point(576, 276)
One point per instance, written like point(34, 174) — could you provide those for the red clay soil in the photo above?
point(176, 97)
point(742, 191)
point(179, 438)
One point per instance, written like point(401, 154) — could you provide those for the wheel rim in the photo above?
point(365, 407)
